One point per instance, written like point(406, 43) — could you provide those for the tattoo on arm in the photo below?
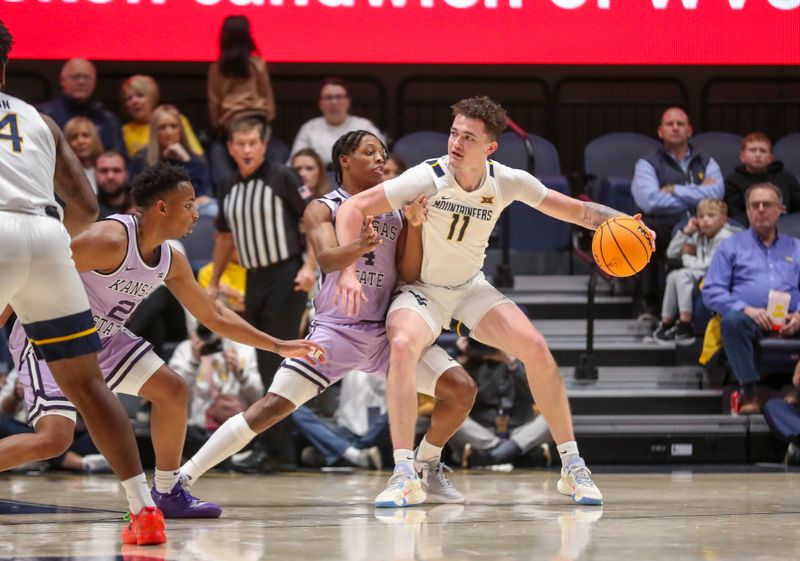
point(595, 214)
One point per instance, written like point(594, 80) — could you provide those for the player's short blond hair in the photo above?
point(708, 204)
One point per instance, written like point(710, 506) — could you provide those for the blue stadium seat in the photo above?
point(417, 147)
point(614, 155)
point(787, 150)
point(789, 224)
point(533, 231)
point(277, 150)
point(724, 147)
point(199, 244)
point(615, 191)
point(511, 152)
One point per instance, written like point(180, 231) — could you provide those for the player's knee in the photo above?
point(465, 389)
point(50, 445)
point(534, 349)
point(403, 347)
point(178, 390)
point(267, 411)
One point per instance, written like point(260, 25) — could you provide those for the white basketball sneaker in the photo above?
point(576, 481)
point(436, 484)
point(403, 489)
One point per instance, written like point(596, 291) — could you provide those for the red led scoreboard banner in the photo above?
point(417, 31)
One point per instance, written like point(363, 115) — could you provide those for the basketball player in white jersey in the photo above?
point(466, 194)
point(38, 279)
point(121, 260)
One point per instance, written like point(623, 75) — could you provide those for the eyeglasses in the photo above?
point(333, 97)
point(766, 205)
point(79, 77)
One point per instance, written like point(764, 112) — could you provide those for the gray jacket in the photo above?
point(705, 247)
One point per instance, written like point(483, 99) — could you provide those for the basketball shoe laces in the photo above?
point(581, 473)
point(398, 478)
point(440, 473)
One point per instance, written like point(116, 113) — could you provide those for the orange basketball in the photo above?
point(621, 246)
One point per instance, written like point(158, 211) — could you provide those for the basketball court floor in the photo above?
point(670, 515)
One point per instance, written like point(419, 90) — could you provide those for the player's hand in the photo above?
point(304, 348)
point(305, 279)
point(760, 316)
point(416, 212)
point(652, 232)
point(369, 238)
point(349, 293)
point(791, 326)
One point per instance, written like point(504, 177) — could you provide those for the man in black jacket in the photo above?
point(759, 167)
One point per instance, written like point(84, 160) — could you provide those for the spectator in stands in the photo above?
point(667, 185)
point(321, 133)
point(238, 86)
point(168, 143)
point(743, 271)
point(502, 426)
point(361, 429)
point(309, 167)
point(694, 245)
point(759, 167)
point(82, 136)
point(223, 380)
point(113, 191)
point(394, 166)
point(78, 80)
point(783, 418)
point(140, 96)
point(232, 283)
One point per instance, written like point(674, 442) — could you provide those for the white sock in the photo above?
point(356, 457)
point(138, 493)
point(232, 436)
point(404, 459)
point(568, 452)
point(427, 452)
point(165, 480)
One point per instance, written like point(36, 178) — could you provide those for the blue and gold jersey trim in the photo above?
point(64, 337)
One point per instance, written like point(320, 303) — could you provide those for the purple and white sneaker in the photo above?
point(179, 503)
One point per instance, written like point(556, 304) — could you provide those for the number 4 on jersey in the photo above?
point(9, 131)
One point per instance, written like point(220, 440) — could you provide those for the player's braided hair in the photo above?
point(6, 40)
point(347, 144)
point(155, 180)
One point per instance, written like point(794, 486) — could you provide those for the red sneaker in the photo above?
point(145, 528)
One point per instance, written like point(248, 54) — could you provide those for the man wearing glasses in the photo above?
point(78, 80)
point(748, 270)
point(321, 133)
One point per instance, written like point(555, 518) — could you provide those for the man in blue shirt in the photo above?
point(744, 269)
point(667, 185)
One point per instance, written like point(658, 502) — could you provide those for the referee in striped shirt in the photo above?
point(260, 213)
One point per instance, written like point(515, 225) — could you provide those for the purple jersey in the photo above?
point(376, 271)
point(114, 296)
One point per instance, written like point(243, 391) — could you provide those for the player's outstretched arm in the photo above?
point(322, 237)
point(225, 322)
point(351, 214)
point(72, 185)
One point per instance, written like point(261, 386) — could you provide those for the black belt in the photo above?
point(52, 211)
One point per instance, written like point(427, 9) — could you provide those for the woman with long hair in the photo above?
point(168, 143)
point(238, 85)
point(84, 139)
point(139, 96)
point(311, 170)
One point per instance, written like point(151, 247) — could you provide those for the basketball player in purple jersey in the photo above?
point(121, 260)
point(386, 249)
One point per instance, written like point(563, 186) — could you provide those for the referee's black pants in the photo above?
point(272, 305)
